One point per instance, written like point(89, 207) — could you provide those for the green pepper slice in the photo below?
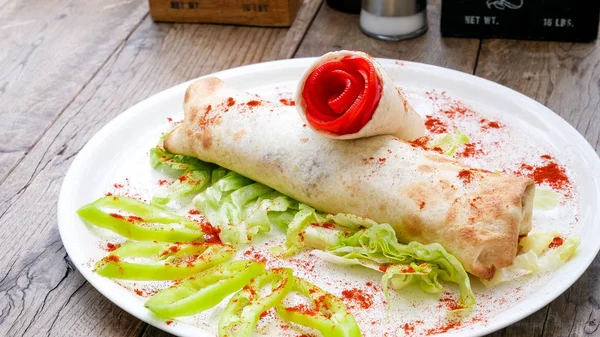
point(204, 290)
point(328, 313)
point(243, 310)
point(191, 182)
point(158, 261)
point(147, 222)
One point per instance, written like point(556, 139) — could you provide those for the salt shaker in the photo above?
point(393, 19)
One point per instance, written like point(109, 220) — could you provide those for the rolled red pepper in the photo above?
point(348, 95)
point(341, 96)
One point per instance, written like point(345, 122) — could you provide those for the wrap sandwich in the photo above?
point(425, 196)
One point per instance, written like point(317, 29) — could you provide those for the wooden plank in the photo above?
point(566, 78)
point(333, 30)
point(46, 58)
point(38, 293)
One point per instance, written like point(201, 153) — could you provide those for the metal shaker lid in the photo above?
point(394, 7)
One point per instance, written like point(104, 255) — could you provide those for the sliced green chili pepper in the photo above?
point(191, 182)
point(204, 290)
point(328, 313)
point(147, 222)
point(243, 310)
point(161, 261)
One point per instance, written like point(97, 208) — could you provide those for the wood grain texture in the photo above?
point(39, 294)
point(566, 78)
point(333, 30)
point(46, 59)
point(269, 13)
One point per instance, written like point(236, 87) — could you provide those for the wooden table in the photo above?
point(67, 67)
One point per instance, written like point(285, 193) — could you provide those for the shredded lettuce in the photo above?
point(546, 199)
point(175, 165)
point(536, 257)
point(242, 208)
point(450, 142)
point(378, 248)
point(193, 175)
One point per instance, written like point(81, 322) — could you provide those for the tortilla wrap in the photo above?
point(418, 192)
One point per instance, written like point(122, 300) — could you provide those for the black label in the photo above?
point(558, 20)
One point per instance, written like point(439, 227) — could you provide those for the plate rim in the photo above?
point(131, 112)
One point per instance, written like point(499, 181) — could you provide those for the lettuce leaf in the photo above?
point(242, 208)
point(193, 175)
point(378, 248)
point(536, 257)
point(450, 142)
point(546, 199)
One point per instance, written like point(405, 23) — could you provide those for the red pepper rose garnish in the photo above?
point(341, 96)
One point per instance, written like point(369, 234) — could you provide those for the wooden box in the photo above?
point(272, 13)
point(557, 20)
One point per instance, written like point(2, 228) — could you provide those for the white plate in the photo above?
point(119, 150)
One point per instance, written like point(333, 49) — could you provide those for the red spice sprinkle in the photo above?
point(422, 205)
point(449, 302)
point(485, 124)
point(169, 322)
point(263, 314)
point(230, 101)
point(546, 156)
point(556, 242)
point(408, 328)
point(173, 249)
point(211, 234)
point(408, 270)
point(457, 108)
point(138, 292)
point(112, 258)
point(470, 150)
point(435, 125)
point(134, 218)
point(253, 103)
point(363, 299)
point(162, 182)
point(383, 268)
point(303, 125)
point(182, 178)
point(382, 160)
point(304, 309)
point(325, 225)
point(287, 101)
point(551, 174)
point(118, 185)
point(442, 329)
point(254, 255)
point(465, 176)
point(108, 194)
point(169, 119)
point(369, 284)
point(193, 212)
point(494, 125)
point(422, 144)
point(112, 246)
point(118, 216)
